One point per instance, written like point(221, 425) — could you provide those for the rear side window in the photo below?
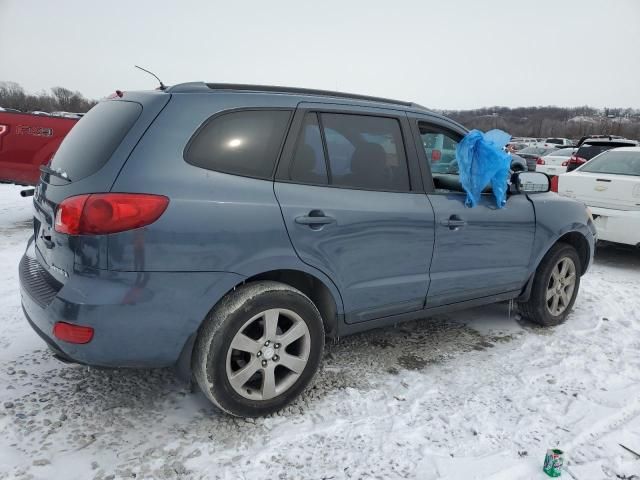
point(308, 161)
point(365, 152)
point(243, 143)
point(92, 141)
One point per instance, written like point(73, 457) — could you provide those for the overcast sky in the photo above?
point(442, 54)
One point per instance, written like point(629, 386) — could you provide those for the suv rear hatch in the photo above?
point(88, 161)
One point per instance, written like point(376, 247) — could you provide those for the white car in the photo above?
point(609, 184)
point(559, 142)
point(555, 162)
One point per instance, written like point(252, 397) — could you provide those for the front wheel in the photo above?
point(258, 348)
point(555, 287)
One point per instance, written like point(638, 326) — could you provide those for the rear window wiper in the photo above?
point(55, 173)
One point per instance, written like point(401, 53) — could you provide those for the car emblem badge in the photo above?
point(600, 188)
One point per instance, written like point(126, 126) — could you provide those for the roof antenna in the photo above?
point(162, 85)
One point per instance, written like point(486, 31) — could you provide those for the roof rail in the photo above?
point(199, 87)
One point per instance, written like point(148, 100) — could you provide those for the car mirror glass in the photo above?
point(532, 182)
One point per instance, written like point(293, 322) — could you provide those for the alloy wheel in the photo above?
point(268, 354)
point(562, 283)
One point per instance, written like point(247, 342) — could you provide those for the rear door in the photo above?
point(352, 201)
point(480, 251)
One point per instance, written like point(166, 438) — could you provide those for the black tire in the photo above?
point(212, 346)
point(536, 309)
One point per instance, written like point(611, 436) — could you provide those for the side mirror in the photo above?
point(531, 182)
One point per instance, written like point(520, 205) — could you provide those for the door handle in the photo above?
point(453, 222)
point(315, 218)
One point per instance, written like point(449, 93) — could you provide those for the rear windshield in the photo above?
point(535, 150)
point(563, 152)
point(588, 150)
point(557, 141)
point(615, 163)
point(92, 141)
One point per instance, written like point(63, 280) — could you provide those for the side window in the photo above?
point(440, 149)
point(244, 143)
point(308, 160)
point(365, 152)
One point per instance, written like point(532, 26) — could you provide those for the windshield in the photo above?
point(615, 162)
point(92, 141)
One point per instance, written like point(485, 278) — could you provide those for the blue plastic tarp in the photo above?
point(482, 161)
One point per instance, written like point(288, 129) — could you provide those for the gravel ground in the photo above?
point(475, 394)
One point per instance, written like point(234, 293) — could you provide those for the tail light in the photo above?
point(539, 161)
point(575, 160)
point(554, 183)
point(3, 129)
point(70, 333)
point(104, 213)
point(436, 155)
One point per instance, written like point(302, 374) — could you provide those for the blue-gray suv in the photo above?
point(231, 228)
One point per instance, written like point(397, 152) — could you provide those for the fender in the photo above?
point(551, 212)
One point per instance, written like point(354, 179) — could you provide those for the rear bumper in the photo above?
point(619, 226)
point(140, 319)
point(551, 170)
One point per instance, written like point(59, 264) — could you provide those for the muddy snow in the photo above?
point(475, 394)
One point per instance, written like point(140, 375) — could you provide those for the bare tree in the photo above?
point(12, 95)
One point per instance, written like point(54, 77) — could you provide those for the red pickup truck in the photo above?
point(28, 141)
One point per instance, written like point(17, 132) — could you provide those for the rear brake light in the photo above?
point(554, 183)
point(436, 155)
point(574, 160)
point(539, 161)
point(70, 333)
point(104, 213)
point(3, 129)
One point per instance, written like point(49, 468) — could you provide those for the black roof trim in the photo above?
point(198, 87)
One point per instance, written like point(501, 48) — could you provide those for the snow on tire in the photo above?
point(258, 348)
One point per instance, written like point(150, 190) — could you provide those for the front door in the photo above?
point(350, 210)
point(480, 251)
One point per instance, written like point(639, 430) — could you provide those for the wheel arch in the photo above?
point(322, 292)
point(578, 241)
point(574, 238)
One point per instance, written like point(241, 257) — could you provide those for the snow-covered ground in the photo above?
point(476, 394)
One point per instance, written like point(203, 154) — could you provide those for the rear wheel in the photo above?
point(555, 287)
point(258, 348)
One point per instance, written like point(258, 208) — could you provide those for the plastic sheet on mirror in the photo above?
point(482, 161)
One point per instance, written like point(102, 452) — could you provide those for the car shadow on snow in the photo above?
point(616, 255)
point(351, 362)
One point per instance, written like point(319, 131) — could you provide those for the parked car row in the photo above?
point(558, 161)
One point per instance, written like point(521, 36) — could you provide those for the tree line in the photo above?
point(12, 95)
point(520, 122)
point(552, 121)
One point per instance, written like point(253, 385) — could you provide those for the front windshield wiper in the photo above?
point(55, 173)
